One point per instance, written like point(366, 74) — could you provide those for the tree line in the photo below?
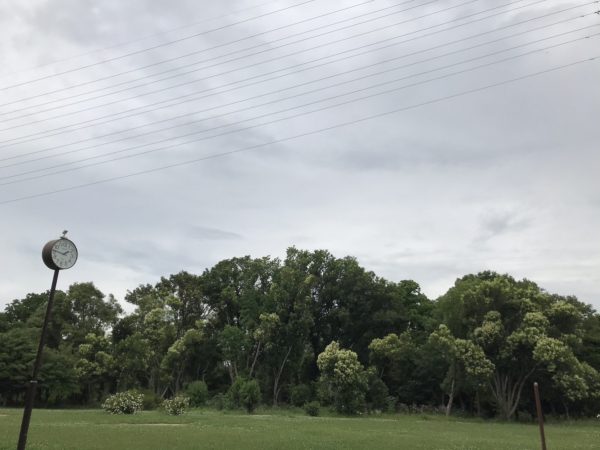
point(312, 327)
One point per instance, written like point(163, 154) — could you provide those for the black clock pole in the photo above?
point(30, 395)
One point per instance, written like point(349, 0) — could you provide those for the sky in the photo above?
point(428, 139)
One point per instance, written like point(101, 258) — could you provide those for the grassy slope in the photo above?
point(88, 429)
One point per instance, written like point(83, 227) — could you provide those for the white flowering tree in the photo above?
point(343, 377)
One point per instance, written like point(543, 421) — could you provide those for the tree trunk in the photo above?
point(450, 399)
point(566, 410)
point(276, 387)
point(507, 393)
point(255, 358)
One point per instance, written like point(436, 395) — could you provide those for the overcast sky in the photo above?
point(386, 130)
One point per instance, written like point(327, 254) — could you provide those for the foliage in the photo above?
point(312, 408)
point(477, 348)
point(250, 395)
point(377, 393)
point(151, 400)
point(129, 402)
point(300, 394)
point(344, 377)
point(244, 393)
point(176, 406)
point(197, 392)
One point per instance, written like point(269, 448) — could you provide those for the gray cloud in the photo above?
point(503, 179)
point(212, 234)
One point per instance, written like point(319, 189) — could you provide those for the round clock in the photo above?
point(59, 254)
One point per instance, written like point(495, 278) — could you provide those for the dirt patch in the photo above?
point(163, 424)
point(147, 424)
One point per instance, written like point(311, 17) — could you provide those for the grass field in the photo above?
point(93, 429)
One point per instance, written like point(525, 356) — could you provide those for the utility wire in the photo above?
point(353, 80)
point(249, 66)
point(137, 69)
point(139, 39)
point(192, 96)
point(365, 97)
point(269, 48)
point(137, 52)
point(301, 135)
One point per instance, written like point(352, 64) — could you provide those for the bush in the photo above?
point(220, 401)
point(150, 399)
point(390, 403)
point(128, 402)
point(250, 395)
point(403, 408)
point(300, 395)
point(312, 408)
point(233, 393)
point(377, 393)
point(176, 406)
point(197, 392)
point(244, 393)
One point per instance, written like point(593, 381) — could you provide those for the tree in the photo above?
point(180, 356)
point(184, 297)
point(468, 367)
point(90, 313)
point(133, 356)
point(394, 357)
point(512, 322)
point(344, 378)
point(95, 367)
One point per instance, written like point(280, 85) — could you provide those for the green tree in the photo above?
point(468, 367)
point(394, 357)
point(95, 367)
point(512, 322)
point(344, 378)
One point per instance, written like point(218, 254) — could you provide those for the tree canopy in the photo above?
point(311, 327)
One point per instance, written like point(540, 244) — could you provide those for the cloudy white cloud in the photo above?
point(501, 179)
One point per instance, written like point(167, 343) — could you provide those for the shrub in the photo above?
point(220, 401)
point(244, 393)
point(233, 393)
point(128, 402)
point(312, 408)
point(377, 393)
point(300, 394)
point(197, 392)
point(390, 403)
point(403, 408)
point(176, 406)
point(250, 395)
point(150, 399)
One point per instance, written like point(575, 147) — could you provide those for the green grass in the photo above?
point(94, 429)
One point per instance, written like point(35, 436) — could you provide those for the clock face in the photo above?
point(64, 254)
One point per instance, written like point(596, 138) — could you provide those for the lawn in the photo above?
point(208, 429)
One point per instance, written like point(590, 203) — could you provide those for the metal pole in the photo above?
point(538, 406)
point(30, 395)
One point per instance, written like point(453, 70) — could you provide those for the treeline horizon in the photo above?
point(312, 327)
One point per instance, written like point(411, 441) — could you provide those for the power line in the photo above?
point(297, 136)
point(389, 91)
point(252, 65)
point(112, 117)
point(462, 50)
point(216, 64)
point(137, 52)
point(183, 56)
point(140, 39)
